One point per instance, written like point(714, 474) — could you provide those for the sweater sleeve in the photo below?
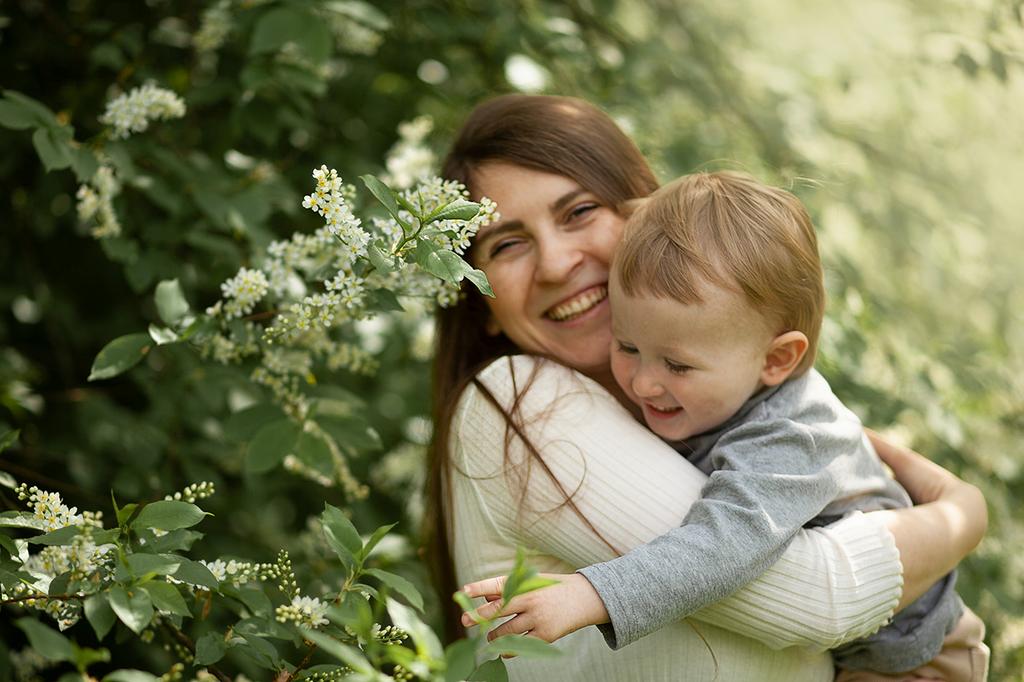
point(626, 487)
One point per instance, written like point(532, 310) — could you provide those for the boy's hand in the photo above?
point(548, 613)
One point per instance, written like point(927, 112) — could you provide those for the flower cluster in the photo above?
point(356, 26)
point(193, 492)
point(409, 161)
point(48, 508)
point(96, 202)
point(232, 572)
point(243, 291)
point(214, 27)
point(132, 111)
point(306, 612)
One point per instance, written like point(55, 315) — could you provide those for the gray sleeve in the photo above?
point(769, 481)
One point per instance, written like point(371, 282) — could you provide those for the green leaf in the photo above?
point(162, 335)
point(135, 608)
point(166, 598)
point(314, 452)
point(120, 355)
point(210, 648)
point(354, 612)
point(46, 642)
point(15, 519)
point(350, 656)
point(130, 675)
point(377, 536)
point(386, 196)
point(84, 657)
point(270, 445)
point(40, 113)
point(59, 537)
point(9, 438)
point(338, 527)
point(170, 302)
point(291, 25)
point(383, 300)
point(449, 266)
point(8, 544)
point(125, 513)
point(254, 599)
point(243, 425)
point(55, 153)
point(84, 163)
point(460, 209)
point(15, 116)
point(350, 432)
point(521, 645)
point(142, 564)
point(427, 643)
point(380, 260)
point(490, 671)
point(460, 660)
point(169, 515)
point(464, 601)
point(99, 614)
point(398, 584)
point(195, 573)
point(479, 280)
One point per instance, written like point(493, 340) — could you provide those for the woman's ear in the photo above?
point(784, 354)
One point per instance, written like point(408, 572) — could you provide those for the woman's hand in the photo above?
point(948, 522)
point(549, 613)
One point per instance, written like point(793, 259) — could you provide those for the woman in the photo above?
point(528, 452)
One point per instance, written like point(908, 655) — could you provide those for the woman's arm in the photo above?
point(948, 522)
point(629, 488)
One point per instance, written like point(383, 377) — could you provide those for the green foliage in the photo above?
point(889, 120)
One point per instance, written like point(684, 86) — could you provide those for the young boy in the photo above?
point(717, 300)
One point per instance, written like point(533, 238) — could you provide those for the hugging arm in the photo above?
point(830, 585)
point(948, 521)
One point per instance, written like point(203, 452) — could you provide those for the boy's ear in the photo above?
point(784, 354)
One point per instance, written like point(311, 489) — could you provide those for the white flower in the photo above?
point(245, 290)
point(306, 612)
point(132, 111)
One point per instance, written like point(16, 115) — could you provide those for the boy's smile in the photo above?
point(688, 366)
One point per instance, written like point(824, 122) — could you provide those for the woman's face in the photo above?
point(548, 260)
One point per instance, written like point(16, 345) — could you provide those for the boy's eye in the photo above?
point(677, 368)
point(626, 348)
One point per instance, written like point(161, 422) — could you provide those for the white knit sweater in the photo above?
point(831, 585)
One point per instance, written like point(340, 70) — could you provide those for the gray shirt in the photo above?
point(792, 456)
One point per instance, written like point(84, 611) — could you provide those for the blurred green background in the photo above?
point(898, 122)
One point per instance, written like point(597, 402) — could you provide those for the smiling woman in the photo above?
point(535, 450)
point(548, 263)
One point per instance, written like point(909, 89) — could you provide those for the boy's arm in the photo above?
point(771, 480)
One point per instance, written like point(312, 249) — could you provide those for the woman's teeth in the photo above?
point(578, 306)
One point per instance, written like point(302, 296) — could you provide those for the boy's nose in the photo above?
point(645, 385)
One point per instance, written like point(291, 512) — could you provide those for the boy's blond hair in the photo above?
point(728, 229)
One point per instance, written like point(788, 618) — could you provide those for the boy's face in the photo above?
point(689, 367)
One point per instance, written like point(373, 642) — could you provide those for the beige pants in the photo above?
point(964, 658)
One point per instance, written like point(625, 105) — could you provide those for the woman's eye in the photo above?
point(677, 368)
point(502, 245)
point(626, 348)
point(581, 211)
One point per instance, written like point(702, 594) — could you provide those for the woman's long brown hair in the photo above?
point(561, 135)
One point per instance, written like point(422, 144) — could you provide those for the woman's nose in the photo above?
point(558, 257)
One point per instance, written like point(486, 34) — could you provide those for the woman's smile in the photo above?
point(578, 305)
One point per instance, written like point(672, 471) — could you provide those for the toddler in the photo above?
point(717, 300)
